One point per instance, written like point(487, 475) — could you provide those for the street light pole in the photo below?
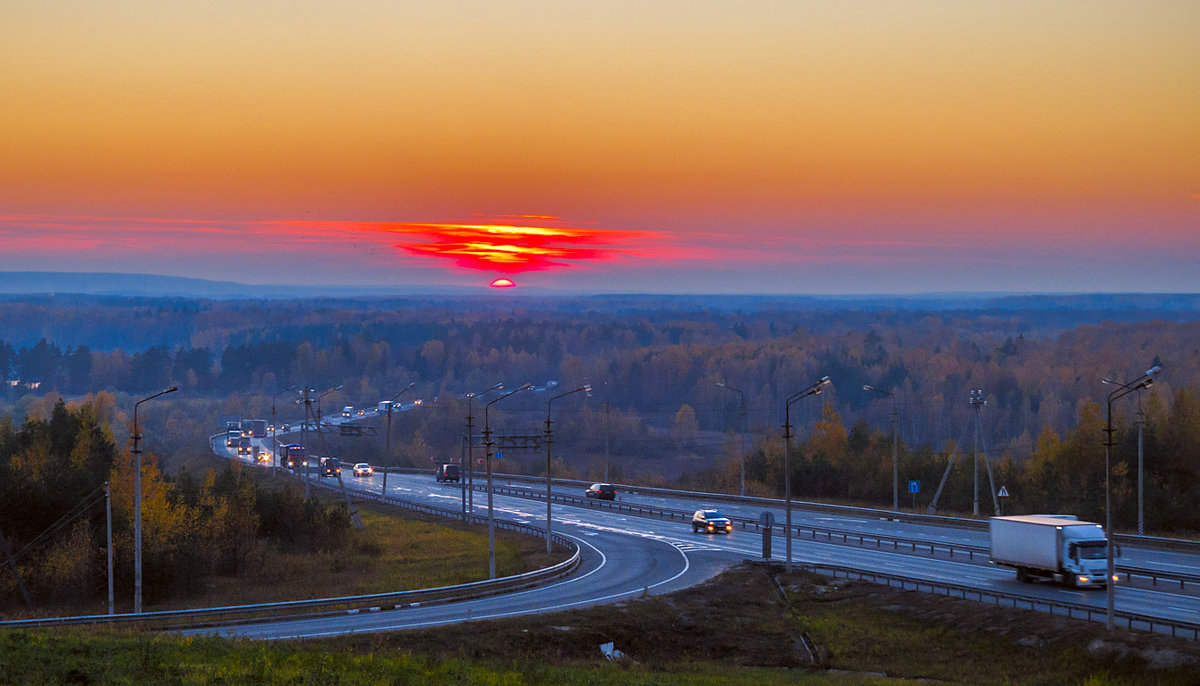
point(339, 387)
point(742, 411)
point(387, 450)
point(1144, 381)
point(549, 440)
point(814, 389)
point(895, 442)
point(487, 442)
point(1141, 422)
point(469, 481)
point(274, 440)
point(137, 502)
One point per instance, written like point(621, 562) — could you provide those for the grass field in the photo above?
point(747, 626)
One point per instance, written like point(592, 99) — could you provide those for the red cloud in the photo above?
point(513, 248)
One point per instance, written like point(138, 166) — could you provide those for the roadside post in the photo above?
point(767, 520)
point(914, 487)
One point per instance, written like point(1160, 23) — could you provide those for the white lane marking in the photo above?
point(562, 606)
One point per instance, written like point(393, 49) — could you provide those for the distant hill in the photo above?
point(151, 285)
point(18, 284)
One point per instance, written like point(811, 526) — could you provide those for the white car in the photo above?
point(363, 469)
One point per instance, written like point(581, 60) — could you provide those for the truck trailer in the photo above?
point(1060, 548)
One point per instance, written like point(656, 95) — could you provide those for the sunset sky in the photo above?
point(727, 147)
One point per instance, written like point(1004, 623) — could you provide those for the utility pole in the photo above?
point(977, 402)
point(606, 441)
point(108, 521)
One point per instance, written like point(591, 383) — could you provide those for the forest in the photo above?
point(53, 473)
point(656, 413)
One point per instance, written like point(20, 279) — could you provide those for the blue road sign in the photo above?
point(914, 486)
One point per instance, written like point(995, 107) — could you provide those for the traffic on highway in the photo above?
point(646, 541)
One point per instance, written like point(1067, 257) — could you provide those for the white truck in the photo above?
point(1056, 547)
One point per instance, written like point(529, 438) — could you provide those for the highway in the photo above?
point(625, 556)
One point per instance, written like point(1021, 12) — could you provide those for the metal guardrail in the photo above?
point(348, 604)
point(1150, 542)
point(1178, 628)
point(828, 534)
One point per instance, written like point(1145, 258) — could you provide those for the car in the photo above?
point(448, 472)
point(331, 466)
point(363, 469)
point(712, 522)
point(601, 492)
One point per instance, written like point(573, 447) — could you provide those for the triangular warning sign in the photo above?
point(1003, 492)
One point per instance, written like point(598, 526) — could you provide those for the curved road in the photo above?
point(626, 555)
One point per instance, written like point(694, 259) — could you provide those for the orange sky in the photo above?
point(1025, 132)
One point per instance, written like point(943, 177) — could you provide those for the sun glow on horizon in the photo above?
point(513, 248)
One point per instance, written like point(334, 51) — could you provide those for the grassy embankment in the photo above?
point(736, 629)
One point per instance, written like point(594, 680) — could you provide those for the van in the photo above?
point(348, 411)
point(448, 472)
point(331, 466)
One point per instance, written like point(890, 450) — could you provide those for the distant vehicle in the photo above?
point(233, 433)
point(1056, 547)
point(292, 455)
point(347, 411)
point(601, 492)
point(361, 412)
point(254, 428)
point(384, 405)
point(449, 472)
point(331, 466)
point(711, 521)
point(363, 469)
point(285, 428)
point(244, 446)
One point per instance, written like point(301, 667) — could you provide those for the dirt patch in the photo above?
point(751, 616)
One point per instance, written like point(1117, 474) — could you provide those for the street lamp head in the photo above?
point(823, 380)
point(1153, 370)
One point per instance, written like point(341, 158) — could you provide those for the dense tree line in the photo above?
point(653, 362)
point(52, 476)
point(656, 411)
point(1063, 473)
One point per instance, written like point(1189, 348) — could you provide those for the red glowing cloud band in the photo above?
point(511, 248)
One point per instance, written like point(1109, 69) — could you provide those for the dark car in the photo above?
point(712, 522)
point(601, 492)
point(331, 466)
point(448, 472)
